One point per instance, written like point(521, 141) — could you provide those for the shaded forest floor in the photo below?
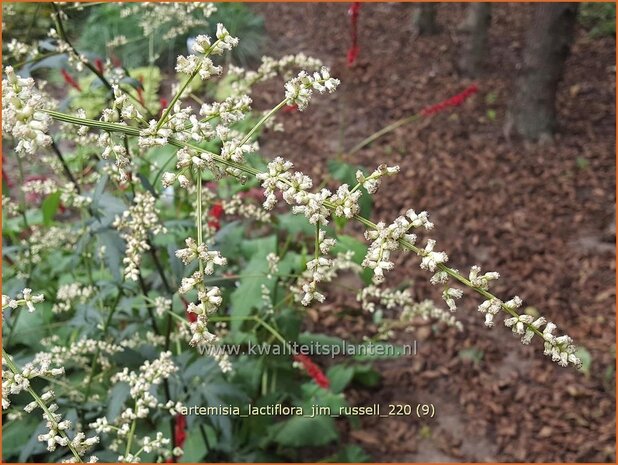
point(541, 215)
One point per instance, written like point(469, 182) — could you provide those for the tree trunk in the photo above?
point(548, 40)
point(474, 48)
point(424, 20)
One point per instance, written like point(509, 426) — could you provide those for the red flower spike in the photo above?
point(163, 103)
point(180, 426)
point(354, 50)
point(290, 109)
point(98, 64)
point(5, 177)
point(454, 101)
point(192, 317)
point(116, 63)
point(69, 79)
point(353, 55)
point(215, 213)
point(140, 90)
point(313, 370)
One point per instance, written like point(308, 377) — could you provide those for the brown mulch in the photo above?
point(540, 214)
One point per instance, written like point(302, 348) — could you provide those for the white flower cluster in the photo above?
point(118, 151)
point(186, 158)
point(123, 106)
point(9, 208)
point(482, 281)
point(312, 206)
point(234, 146)
point(157, 445)
point(43, 240)
point(240, 207)
point(22, 117)
point(69, 294)
point(386, 239)
point(139, 339)
point(244, 80)
point(19, 50)
point(559, 348)
point(15, 380)
point(298, 90)
point(134, 225)
point(431, 259)
point(142, 389)
point(79, 353)
point(209, 297)
point(346, 201)
point(279, 177)
point(162, 305)
point(198, 62)
point(141, 382)
point(25, 299)
point(295, 188)
point(318, 269)
point(209, 258)
point(63, 47)
point(231, 110)
point(372, 182)
point(449, 295)
point(374, 299)
point(182, 17)
point(153, 135)
point(68, 192)
point(321, 270)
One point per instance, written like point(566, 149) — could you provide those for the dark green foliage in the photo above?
point(599, 19)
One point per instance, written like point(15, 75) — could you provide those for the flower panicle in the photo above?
point(454, 101)
point(313, 370)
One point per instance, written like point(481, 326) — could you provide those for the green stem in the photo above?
point(131, 433)
point(263, 120)
point(381, 132)
point(317, 240)
point(182, 89)
point(175, 99)
point(198, 219)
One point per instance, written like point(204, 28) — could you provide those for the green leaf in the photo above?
point(343, 172)
point(194, 448)
point(248, 295)
point(473, 354)
point(296, 224)
point(346, 243)
point(15, 436)
point(339, 377)
point(351, 453)
point(50, 207)
point(300, 431)
point(118, 396)
point(366, 375)
point(114, 251)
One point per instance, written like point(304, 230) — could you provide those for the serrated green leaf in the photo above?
point(50, 207)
